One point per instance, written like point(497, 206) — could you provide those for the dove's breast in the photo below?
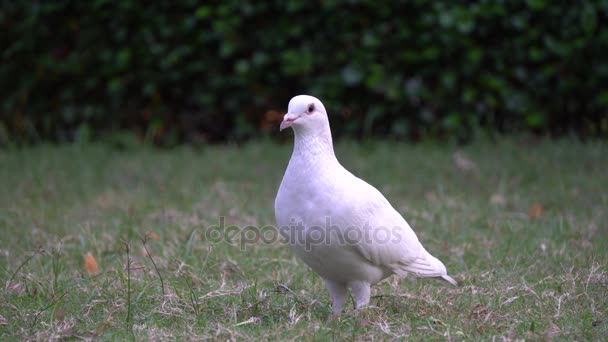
point(315, 218)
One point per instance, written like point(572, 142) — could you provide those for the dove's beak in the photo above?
point(288, 119)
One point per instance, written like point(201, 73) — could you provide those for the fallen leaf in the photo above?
point(102, 327)
point(536, 210)
point(90, 264)
point(152, 234)
point(271, 118)
point(436, 320)
point(463, 163)
point(479, 311)
point(60, 314)
point(553, 330)
point(17, 288)
point(498, 199)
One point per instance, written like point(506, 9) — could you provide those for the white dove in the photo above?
point(342, 227)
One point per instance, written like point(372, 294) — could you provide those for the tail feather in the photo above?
point(426, 266)
point(449, 279)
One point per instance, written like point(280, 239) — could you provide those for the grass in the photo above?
point(522, 226)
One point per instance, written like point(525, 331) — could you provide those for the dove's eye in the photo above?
point(311, 108)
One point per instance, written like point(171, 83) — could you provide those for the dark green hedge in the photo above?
point(211, 71)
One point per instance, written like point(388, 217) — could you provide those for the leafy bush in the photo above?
point(211, 71)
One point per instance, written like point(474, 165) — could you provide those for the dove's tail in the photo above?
point(448, 279)
point(426, 266)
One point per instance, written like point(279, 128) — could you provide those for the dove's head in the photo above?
point(305, 113)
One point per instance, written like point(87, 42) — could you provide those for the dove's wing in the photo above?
point(386, 240)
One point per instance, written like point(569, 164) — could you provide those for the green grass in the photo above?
point(521, 277)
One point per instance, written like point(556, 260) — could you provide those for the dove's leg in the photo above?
point(361, 292)
point(338, 294)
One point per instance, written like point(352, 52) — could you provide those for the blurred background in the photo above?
point(223, 71)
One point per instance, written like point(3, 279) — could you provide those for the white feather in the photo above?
point(364, 239)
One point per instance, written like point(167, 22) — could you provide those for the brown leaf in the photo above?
point(271, 119)
point(102, 327)
point(498, 199)
point(464, 163)
point(552, 331)
point(479, 311)
point(152, 234)
point(536, 210)
point(90, 264)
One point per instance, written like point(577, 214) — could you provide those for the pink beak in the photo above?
point(288, 120)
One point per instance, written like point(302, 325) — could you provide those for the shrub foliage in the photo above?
point(217, 70)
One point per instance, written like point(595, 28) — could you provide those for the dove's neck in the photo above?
point(314, 147)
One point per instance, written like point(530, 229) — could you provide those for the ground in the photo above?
point(520, 224)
